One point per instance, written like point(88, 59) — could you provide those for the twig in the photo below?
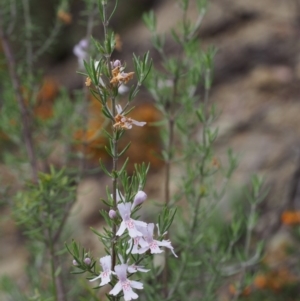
point(13, 16)
point(89, 30)
point(25, 119)
point(49, 41)
point(28, 38)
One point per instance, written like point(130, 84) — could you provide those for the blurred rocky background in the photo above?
point(256, 87)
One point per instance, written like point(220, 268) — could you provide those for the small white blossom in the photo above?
point(129, 223)
point(136, 268)
point(105, 262)
point(152, 244)
point(134, 244)
point(80, 50)
point(125, 284)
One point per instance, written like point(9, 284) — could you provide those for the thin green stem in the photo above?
point(114, 140)
point(13, 17)
point(49, 41)
point(169, 150)
point(89, 30)
point(25, 117)
point(187, 249)
point(206, 99)
point(50, 244)
point(28, 38)
point(249, 232)
point(195, 206)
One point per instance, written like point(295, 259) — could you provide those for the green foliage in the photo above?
point(41, 208)
point(211, 248)
point(208, 245)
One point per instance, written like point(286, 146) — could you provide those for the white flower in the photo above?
point(134, 244)
point(124, 122)
point(152, 244)
point(125, 284)
point(128, 223)
point(80, 50)
point(134, 268)
point(105, 262)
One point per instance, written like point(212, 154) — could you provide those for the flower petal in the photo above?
point(119, 109)
point(105, 278)
point(91, 280)
point(167, 244)
point(138, 123)
point(140, 223)
point(136, 284)
point(130, 294)
point(117, 288)
point(121, 229)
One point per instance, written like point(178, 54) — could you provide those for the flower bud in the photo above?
point(112, 214)
point(139, 198)
point(87, 261)
point(116, 63)
point(84, 43)
point(75, 262)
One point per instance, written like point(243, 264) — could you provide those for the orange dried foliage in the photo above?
point(64, 16)
point(45, 99)
point(290, 217)
point(145, 144)
point(233, 290)
point(216, 163)
point(3, 136)
point(92, 141)
point(260, 281)
point(119, 43)
point(275, 280)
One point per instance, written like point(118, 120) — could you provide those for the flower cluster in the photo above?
point(120, 77)
point(141, 240)
point(123, 122)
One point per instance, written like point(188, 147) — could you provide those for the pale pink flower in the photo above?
point(152, 244)
point(125, 284)
point(87, 261)
point(129, 223)
point(105, 262)
point(116, 63)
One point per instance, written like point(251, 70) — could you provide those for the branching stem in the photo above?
point(25, 118)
